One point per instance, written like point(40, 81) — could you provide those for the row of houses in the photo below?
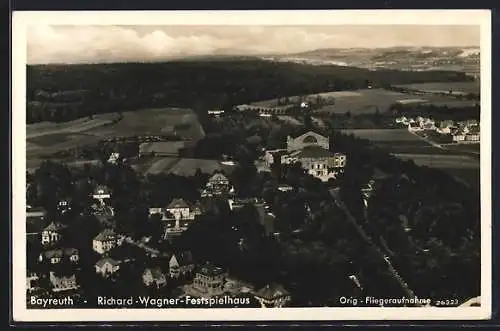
point(460, 131)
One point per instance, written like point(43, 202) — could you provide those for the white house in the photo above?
point(107, 266)
point(273, 296)
point(113, 158)
point(154, 277)
point(179, 209)
point(52, 234)
point(62, 282)
point(105, 241)
point(101, 193)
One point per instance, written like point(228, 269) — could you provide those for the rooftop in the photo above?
point(313, 152)
point(106, 234)
point(272, 291)
point(54, 226)
point(210, 270)
point(107, 259)
point(178, 203)
point(218, 177)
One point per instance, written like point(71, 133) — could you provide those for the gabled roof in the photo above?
point(218, 177)
point(178, 203)
point(107, 259)
point(156, 273)
point(53, 226)
point(313, 152)
point(304, 132)
point(272, 291)
point(210, 270)
point(101, 189)
point(106, 234)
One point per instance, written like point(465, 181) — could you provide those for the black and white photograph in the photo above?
point(287, 165)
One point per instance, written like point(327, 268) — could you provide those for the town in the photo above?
point(303, 221)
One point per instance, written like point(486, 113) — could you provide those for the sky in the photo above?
point(106, 43)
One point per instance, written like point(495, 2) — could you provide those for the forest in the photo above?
point(61, 93)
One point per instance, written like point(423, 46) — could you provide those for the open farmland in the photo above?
point(366, 101)
point(46, 138)
point(456, 87)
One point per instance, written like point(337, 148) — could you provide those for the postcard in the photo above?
point(251, 165)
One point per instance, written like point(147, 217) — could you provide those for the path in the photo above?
point(408, 292)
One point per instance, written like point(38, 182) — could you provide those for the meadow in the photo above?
point(367, 101)
point(457, 88)
point(44, 138)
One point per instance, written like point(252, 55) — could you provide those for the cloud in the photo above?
point(83, 44)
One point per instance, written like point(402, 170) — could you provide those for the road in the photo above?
point(408, 292)
point(145, 247)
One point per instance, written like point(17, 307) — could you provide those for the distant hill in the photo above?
point(67, 92)
point(465, 59)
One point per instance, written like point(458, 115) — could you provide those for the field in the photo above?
point(368, 100)
point(179, 166)
point(408, 146)
point(47, 138)
point(456, 87)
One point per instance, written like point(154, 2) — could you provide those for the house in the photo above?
point(64, 206)
point(273, 296)
point(114, 158)
point(284, 188)
point(218, 180)
point(472, 137)
point(52, 233)
point(181, 264)
point(459, 137)
point(209, 280)
point(179, 209)
point(402, 120)
point(56, 256)
point(445, 127)
point(317, 161)
point(105, 241)
point(215, 112)
point(101, 193)
point(161, 148)
point(107, 266)
point(415, 126)
point(309, 138)
point(217, 185)
point(154, 277)
point(32, 282)
point(62, 282)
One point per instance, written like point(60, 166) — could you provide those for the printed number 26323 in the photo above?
point(447, 302)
